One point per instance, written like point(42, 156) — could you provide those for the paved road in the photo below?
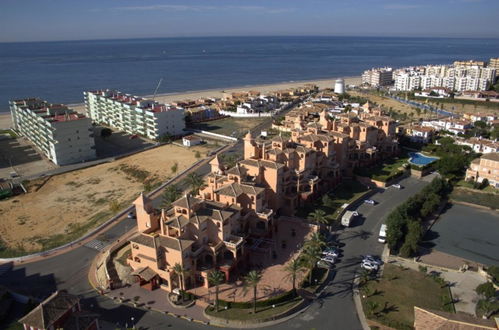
point(336, 309)
point(469, 233)
point(69, 271)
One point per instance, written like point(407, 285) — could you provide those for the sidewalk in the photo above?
point(462, 284)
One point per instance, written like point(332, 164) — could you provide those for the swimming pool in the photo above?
point(420, 159)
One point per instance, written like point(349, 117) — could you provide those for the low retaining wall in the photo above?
point(380, 184)
point(215, 135)
point(246, 115)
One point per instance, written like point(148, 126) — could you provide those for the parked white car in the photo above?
point(334, 254)
point(372, 259)
point(369, 201)
point(398, 186)
point(329, 259)
point(370, 266)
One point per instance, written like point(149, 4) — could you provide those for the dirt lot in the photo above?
point(386, 103)
point(230, 126)
point(70, 204)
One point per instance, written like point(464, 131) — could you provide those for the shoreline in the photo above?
point(5, 120)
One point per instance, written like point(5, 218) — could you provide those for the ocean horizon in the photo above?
point(60, 71)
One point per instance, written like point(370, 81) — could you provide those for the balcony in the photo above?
point(196, 250)
point(234, 241)
point(215, 246)
point(265, 213)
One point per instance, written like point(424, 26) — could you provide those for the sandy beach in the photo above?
point(5, 120)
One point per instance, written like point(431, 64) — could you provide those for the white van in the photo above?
point(348, 217)
point(382, 234)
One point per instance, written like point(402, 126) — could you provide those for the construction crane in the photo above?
point(156, 90)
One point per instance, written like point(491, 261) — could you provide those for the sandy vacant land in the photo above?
point(70, 204)
point(386, 103)
point(236, 127)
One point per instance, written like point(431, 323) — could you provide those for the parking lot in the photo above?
point(118, 143)
point(469, 233)
point(18, 155)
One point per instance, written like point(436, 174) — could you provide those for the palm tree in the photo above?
point(318, 216)
point(195, 182)
point(293, 268)
point(170, 195)
point(371, 307)
point(180, 272)
point(216, 278)
point(311, 254)
point(251, 281)
point(316, 240)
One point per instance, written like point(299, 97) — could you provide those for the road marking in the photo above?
point(96, 244)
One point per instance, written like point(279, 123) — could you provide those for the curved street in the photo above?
point(70, 271)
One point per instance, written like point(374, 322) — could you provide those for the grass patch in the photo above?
point(247, 313)
point(73, 232)
point(398, 291)
point(389, 169)
point(475, 197)
point(344, 193)
point(8, 132)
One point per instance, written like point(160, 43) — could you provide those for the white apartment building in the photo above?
point(61, 134)
point(134, 115)
point(458, 78)
point(479, 145)
point(378, 77)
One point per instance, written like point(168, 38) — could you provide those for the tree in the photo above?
point(170, 195)
point(412, 239)
point(486, 290)
point(197, 154)
point(165, 138)
point(251, 281)
point(195, 181)
point(311, 254)
point(216, 278)
point(430, 204)
point(180, 272)
point(318, 216)
point(174, 168)
point(293, 268)
point(106, 132)
point(372, 306)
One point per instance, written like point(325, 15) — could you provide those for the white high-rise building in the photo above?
point(134, 114)
point(61, 134)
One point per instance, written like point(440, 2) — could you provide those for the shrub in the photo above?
point(486, 290)
point(494, 272)
point(287, 296)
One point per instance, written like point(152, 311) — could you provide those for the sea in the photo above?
point(60, 71)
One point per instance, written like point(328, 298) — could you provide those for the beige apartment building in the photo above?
point(234, 215)
point(358, 139)
point(485, 167)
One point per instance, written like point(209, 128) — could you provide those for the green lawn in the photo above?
point(247, 314)
point(384, 171)
point(474, 196)
point(398, 291)
point(345, 193)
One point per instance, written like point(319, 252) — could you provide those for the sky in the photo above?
point(50, 20)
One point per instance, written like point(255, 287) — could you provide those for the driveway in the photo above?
point(469, 233)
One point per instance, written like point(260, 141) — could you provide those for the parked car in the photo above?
point(398, 186)
point(370, 266)
point(134, 136)
point(333, 254)
point(369, 201)
point(372, 259)
point(131, 215)
point(324, 264)
point(329, 259)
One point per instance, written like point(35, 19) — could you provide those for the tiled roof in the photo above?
point(261, 163)
point(143, 239)
point(236, 170)
point(236, 189)
point(494, 156)
point(186, 201)
point(145, 273)
point(50, 310)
